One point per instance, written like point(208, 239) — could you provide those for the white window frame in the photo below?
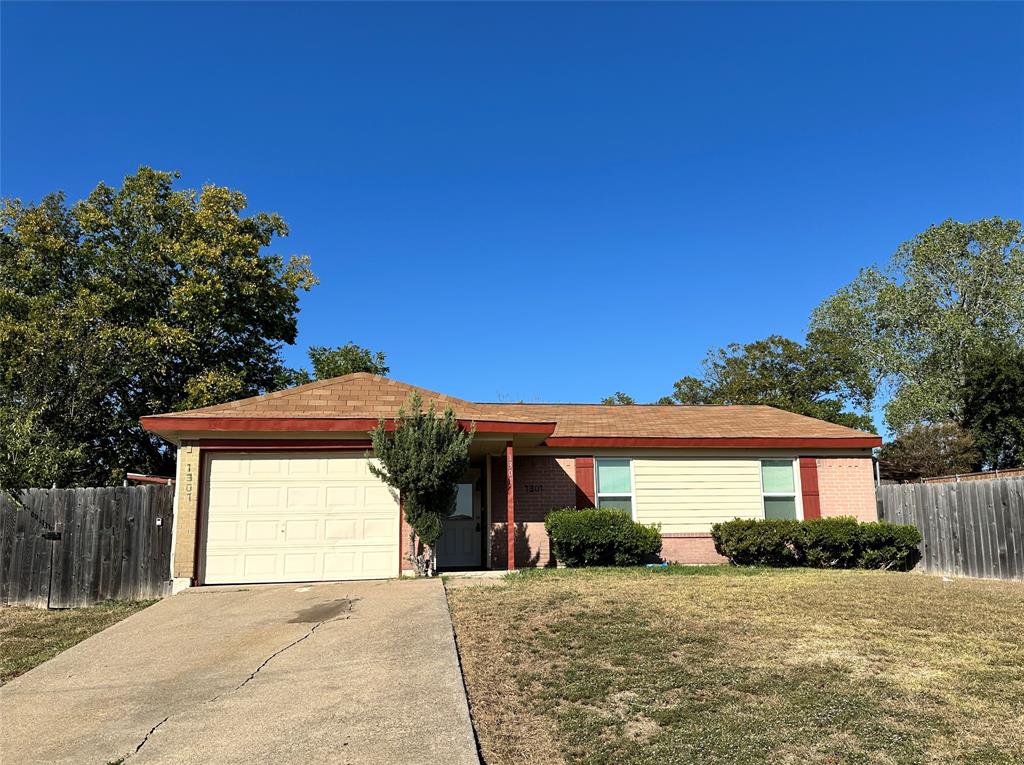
point(796, 494)
point(609, 495)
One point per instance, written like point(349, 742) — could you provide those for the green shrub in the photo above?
point(593, 537)
point(828, 543)
point(757, 543)
point(819, 543)
point(889, 545)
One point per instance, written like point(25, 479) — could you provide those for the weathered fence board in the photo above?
point(64, 548)
point(971, 528)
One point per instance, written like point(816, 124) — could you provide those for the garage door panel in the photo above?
point(224, 531)
point(379, 529)
point(304, 468)
point(302, 496)
point(260, 496)
point(302, 531)
point(337, 529)
point(342, 497)
point(223, 568)
point(278, 517)
point(259, 565)
point(258, 467)
point(377, 560)
point(260, 532)
point(226, 496)
point(378, 497)
point(299, 566)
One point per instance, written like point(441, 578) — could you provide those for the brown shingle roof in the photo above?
point(365, 396)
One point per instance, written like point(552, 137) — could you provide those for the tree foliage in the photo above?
point(423, 458)
point(994, 404)
point(618, 399)
point(135, 300)
point(819, 378)
point(948, 292)
point(330, 362)
point(927, 450)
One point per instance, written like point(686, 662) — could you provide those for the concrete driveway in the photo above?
point(353, 672)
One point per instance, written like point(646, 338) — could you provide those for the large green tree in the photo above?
point(818, 378)
point(930, 449)
point(422, 458)
point(946, 293)
point(994, 404)
point(135, 300)
point(330, 362)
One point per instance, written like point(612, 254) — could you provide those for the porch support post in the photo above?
point(511, 509)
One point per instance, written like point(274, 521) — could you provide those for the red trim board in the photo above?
point(717, 443)
point(809, 487)
point(320, 424)
point(283, 444)
point(585, 482)
point(511, 509)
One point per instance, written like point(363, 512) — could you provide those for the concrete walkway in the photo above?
point(354, 672)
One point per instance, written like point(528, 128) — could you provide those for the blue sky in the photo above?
point(539, 202)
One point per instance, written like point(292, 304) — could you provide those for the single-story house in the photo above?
point(277, 488)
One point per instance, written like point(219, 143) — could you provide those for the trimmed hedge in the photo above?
point(818, 543)
point(757, 543)
point(593, 537)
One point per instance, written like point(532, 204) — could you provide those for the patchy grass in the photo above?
point(30, 636)
point(743, 667)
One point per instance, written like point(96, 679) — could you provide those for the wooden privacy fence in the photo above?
point(971, 528)
point(75, 547)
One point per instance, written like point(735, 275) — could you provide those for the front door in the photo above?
point(460, 543)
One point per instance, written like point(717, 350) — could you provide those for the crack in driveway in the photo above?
point(242, 684)
point(274, 655)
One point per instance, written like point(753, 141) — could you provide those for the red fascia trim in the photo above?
point(283, 444)
point(321, 424)
point(717, 443)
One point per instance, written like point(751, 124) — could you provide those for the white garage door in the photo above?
point(297, 518)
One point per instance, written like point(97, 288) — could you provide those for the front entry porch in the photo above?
point(479, 536)
point(498, 523)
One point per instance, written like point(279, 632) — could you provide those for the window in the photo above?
point(463, 501)
point(615, 484)
point(778, 488)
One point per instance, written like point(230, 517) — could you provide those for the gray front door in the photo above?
point(460, 543)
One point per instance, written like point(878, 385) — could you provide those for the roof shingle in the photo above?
point(365, 396)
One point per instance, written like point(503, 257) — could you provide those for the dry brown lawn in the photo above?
point(744, 666)
point(30, 636)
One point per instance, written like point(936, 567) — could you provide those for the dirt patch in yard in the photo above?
point(744, 667)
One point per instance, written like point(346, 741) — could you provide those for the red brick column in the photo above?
point(511, 506)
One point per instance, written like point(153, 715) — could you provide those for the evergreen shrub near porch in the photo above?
point(818, 543)
point(600, 537)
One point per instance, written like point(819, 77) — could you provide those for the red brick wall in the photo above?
point(542, 484)
point(689, 548)
point(846, 486)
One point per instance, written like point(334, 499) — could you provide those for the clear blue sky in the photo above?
point(540, 202)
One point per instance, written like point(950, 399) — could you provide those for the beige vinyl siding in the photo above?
point(688, 494)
